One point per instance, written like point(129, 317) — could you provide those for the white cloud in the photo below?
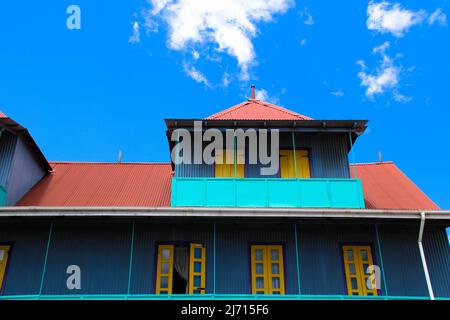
point(438, 16)
point(196, 75)
point(303, 42)
point(261, 94)
point(228, 26)
point(135, 37)
point(384, 78)
point(386, 17)
point(338, 93)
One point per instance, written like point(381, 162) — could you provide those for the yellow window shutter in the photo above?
point(4, 254)
point(197, 269)
point(164, 272)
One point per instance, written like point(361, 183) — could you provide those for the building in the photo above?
point(317, 228)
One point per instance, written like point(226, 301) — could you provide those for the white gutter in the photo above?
point(422, 256)
point(220, 212)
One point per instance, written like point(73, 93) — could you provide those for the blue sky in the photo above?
point(84, 94)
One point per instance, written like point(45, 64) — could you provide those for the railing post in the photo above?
point(297, 258)
point(381, 261)
point(44, 269)
point(355, 173)
point(131, 259)
point(295, 154)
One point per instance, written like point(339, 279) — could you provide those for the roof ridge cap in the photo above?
point(228, 110)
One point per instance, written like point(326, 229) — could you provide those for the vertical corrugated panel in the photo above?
point(25, 173)
point(320, 254)
point(28, 242)
point(233, 254)
point(328, 157)
point(149, 235)
point(195, 170)
point(101, 250)
point(401, 258)
point(7, 147)
point(437, 253)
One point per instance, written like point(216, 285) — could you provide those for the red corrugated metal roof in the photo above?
point(253, 109)
point(387, 187)
point(148, 184)
point(103, 184)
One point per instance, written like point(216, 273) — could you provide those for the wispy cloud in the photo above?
point(337, 93)
point(225, 26)
point(308, 18)
point(196, 75)
point(438, 16)
point(383, 78)
point(303, 42)
point(387, 17)
point(135, 37)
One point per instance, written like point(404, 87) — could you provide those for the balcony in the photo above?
point(2, 196)
point(271, 192)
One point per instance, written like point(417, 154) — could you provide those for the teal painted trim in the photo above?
point(131, 258)
point(297, 259)
point(295, 154)
point(209, 297)
point(44, 269)
point(381, 261)
point(353, 155)
point(267, 192)
point(214, 259)
point(235, 157)
point(3, 195)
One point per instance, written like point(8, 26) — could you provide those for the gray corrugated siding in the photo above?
point(401, 259)
point(437, 253)
point(25, 173)
point(26, 259)
point(7, 147)
point(328, 152)
point(233, 260)
point(320, 254)
point(102, 250)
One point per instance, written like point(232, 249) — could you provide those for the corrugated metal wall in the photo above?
point(401, 258)
point(7, 147)
point(320, 254)
point(233, 260)
point(25, 172)
point(437, 252)
point(102, 250)
point(26, 259)
point(328, 152)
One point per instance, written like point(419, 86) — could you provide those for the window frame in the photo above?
point(360, 276)
point(267, 275)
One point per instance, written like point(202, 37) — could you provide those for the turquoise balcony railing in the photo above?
point(2, 196)
point(271, 192)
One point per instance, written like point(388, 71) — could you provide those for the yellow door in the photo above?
point(164, 273)
point(4, 253)
point(287, 164)
point(267, 269)
point(357, 260)
point(197, 269)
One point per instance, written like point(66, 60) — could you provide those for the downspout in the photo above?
point(422, 256)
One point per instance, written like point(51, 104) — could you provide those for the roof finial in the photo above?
point(253, 92)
